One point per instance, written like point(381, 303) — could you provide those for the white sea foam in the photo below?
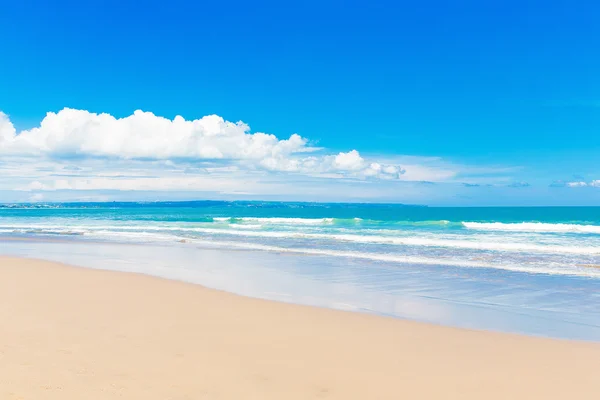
point(415, 241)
point(287, 221)
point(532, 227)
point(498, 258)
point(248, 226)
point(470, 243)
point(546, 268)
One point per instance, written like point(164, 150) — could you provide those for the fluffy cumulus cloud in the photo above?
point(348, 161)
point(79, 155)
point(7, 130)
point(144, 135)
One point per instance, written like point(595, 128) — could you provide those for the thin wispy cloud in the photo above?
point(576, 184)
point(519, 185)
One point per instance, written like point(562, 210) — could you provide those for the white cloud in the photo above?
point(7, 130)
point(576, 184)
point(37, 197)
point(35, 185)
point(144, 135)
point(75, 154)
point(350, 161)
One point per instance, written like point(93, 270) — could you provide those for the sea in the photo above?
point(532, 270)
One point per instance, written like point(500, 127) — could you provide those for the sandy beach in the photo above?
point(76, 333)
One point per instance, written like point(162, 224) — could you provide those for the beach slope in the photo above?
point(75, 333)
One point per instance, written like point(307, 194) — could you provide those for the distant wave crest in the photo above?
point(533, 227)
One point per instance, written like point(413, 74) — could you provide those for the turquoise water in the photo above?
point(527, 270)
point(544, 240)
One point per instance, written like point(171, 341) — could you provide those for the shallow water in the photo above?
point(482, 298)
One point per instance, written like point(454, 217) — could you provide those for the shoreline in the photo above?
point(74, 331)
point(50, 263)
point(438, 296)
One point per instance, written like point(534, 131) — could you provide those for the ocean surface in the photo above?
point(539, 265)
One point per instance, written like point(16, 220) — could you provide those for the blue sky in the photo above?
point(503, 93)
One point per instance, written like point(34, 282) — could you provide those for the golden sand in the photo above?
point(75, 333)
